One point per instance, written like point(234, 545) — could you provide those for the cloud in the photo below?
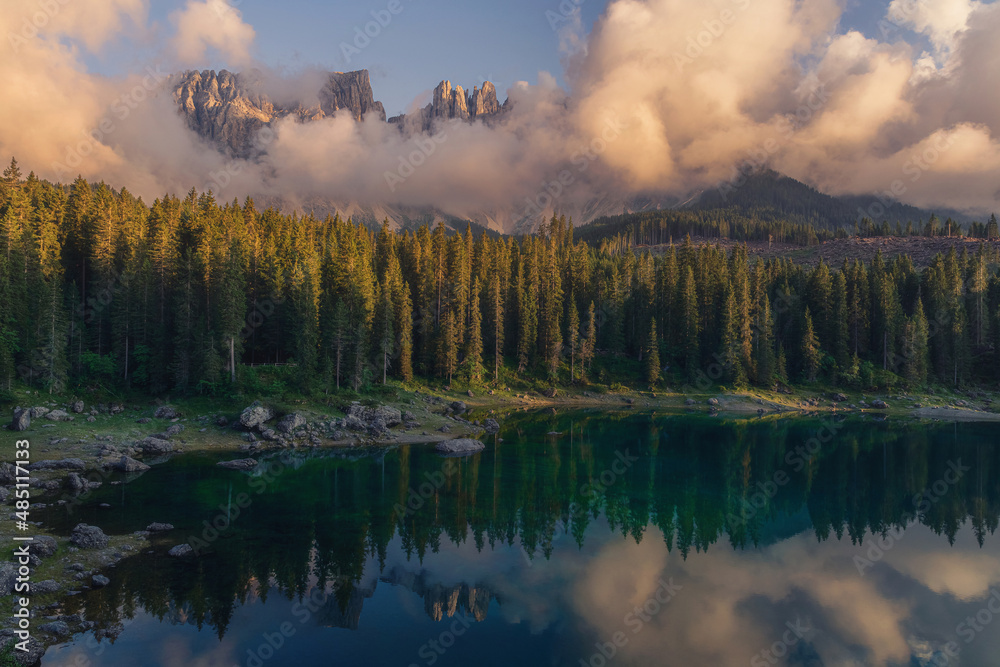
point(212, 24)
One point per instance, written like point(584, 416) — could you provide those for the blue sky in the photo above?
point(429, 40)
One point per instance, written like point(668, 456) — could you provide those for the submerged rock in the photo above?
point(239, 464)
point(128, 464)
point(180, 551)
point(460, 446)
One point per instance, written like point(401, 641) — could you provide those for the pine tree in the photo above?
point(589, 347)
point(496, 310)
point(809, 351)
point(474, 338)
point(652, 355)
point(690, 323)
point(385, 334)
point(573, 337)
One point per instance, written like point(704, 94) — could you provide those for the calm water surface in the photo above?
point(579, 539)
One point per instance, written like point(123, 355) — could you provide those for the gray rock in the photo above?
point(238, 464)
point(155, 446)
point(690, 401)
point(174, 429)
point(55, 628)
point(165, 412)
point(88, 537)
point(491, 426)
point(180, 551)
point(45, 587)
point(99, 581)
point(367, 416)
point(460, 447)
point(159, 527)
point(840, 398)
point(58, 416)
point(352, 423)
point(8, 576)
point(713, 401)
point(77, 407)
point(256, 415)
point(458, 406)
point(62, 464)
point(38, 412)
point(445, 429)
point(4, 493)
point(551, 392)
point(7, 473)
point(222, 421)
point(91, 420)
point(22, 420)
point(879, 404)
point(29, 658)
point(128, 464)
point(291, 422)
point(43, 546)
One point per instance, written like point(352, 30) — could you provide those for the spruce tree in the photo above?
point(652, 355)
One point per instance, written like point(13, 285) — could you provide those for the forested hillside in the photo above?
point(187, 295)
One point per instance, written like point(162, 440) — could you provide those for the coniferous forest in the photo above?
point(191, 295)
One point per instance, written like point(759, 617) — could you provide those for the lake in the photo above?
point(578, 538)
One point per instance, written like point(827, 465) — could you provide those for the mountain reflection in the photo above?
point(694, 483)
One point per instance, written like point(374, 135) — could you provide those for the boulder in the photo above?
point(62, 464)
point(551, 392)
point(713, 401)
point(690, 401)
point(291, 422)
point(128, 464)
point(58, 628)
point(77, 407)
point(153, 445)
point(22, 420)
point(256, 415)
point(99, 581)
point(165, 412)
point(43, 546)
point(88, 537)
point(458, 406)
point(159, 527)
point(367, 416)
point(180, 551)
point(38, 412)
point(8, 577)
point(879, 404)
point(460, 447)
point(238, 464)
point(222, 422)
point(840, 398)
point(30, 657)
point(491, 426)
point(58, 416)
point(174, 429)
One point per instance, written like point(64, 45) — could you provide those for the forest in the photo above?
point(99, 289)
